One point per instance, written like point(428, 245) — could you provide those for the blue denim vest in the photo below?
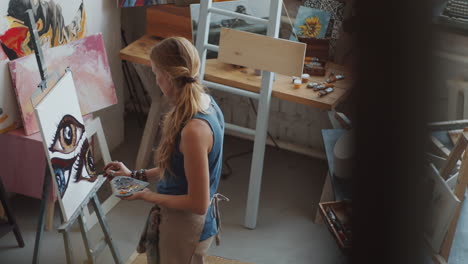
point(178, 185)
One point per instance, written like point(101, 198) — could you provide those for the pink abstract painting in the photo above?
point(88, 62)
point(9, 115)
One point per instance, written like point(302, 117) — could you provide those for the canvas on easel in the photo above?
point(66, 145)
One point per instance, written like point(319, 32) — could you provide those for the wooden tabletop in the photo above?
point(216, 71)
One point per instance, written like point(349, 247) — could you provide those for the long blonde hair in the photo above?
point(179, 59)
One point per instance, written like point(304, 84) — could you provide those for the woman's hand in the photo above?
point(137, 196)
point(116, 168)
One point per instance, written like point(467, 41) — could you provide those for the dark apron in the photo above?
point(171, 236)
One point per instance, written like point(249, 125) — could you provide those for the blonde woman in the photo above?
point(183, 222)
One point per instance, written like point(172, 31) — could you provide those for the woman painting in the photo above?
point(183, 222)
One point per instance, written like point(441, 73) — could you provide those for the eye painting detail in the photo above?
point(86, 160)
point(72, 153)
point(68, 150)
point(69, 133)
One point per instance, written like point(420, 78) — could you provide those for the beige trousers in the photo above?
point(200, 251)
point(172, 236)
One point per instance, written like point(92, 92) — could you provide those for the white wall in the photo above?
point(104, 16)
point(450, 62)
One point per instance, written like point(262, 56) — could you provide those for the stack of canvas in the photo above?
point(447, 179)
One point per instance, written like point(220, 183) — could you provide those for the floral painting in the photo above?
point(336, 9)
point(310, 23)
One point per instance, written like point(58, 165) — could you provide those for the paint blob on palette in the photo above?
point(9, 115)
point(61, 21)
point(66, 145)
point(86, 58)
point(123, 186)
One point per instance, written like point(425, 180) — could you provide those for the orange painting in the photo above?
point(52, 26)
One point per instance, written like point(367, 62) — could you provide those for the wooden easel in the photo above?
point(93, 127)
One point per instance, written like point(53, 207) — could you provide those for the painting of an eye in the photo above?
point(69, 133)
point(89, 162)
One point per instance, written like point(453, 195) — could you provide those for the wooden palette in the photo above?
point(123, 186)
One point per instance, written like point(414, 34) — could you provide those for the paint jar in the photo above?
point(305, 77)
point(294, 78)
point(297, 83)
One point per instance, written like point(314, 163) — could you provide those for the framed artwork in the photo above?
point(336, 9)
point(9, 115)
point(135, 3)
point(254, 8)
point(87, 59)
point(60, 22)
point(66, 145)
point(310, 23)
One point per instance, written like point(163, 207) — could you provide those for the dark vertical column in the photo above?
point(392, 89)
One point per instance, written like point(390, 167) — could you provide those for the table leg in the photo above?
point(42, 214)
point(2, 212)
point(327, 196)
point(50, 216)
point(149, 136)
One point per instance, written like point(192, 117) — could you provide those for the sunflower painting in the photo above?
point(311, 23)
point(311, 27)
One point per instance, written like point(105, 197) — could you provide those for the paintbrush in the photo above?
point(99, 173)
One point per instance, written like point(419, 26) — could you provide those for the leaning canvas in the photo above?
point(442, 209)
point(311, 23)
point(60, 22)
point(9, 115)
point(67, 148)
point(87, 59)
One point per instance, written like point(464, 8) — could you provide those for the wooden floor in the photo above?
point(136, 258)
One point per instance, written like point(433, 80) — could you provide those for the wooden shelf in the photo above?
point(216, 71)
point(139, 51)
